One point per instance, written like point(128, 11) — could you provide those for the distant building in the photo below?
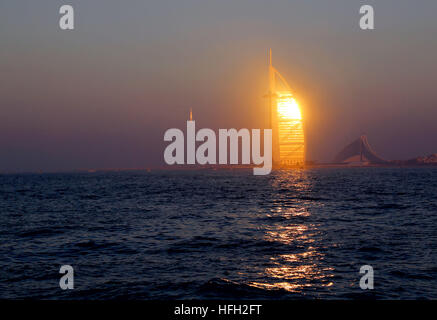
point(285, 121)
point(359, 151)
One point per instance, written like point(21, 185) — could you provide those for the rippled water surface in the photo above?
point(220, 234)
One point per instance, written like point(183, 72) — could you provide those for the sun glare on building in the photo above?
point(288, 109)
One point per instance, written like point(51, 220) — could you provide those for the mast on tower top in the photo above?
point(271, 74)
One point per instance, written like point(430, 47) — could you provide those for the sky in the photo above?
point(102, 95)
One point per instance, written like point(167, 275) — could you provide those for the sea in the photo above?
point(220, 234)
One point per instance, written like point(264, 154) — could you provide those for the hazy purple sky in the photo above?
point(103, 95)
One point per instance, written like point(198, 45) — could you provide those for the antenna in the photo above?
point(271, 74)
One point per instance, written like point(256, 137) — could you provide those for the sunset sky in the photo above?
point(102, 95)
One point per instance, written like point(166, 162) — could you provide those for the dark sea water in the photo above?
point(220, 234)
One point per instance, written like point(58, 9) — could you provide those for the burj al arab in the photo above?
point(285, 121)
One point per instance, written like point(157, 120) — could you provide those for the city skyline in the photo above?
point(102, 95)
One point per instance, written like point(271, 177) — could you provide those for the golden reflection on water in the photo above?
point(303, 266)
point(289, 234)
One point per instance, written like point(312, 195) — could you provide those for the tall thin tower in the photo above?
point(273, 111)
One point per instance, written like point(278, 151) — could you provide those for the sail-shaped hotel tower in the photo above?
point(285, 121)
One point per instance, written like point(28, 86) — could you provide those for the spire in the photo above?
point(271, 74)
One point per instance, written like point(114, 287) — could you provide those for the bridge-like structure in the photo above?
point(359, 150)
